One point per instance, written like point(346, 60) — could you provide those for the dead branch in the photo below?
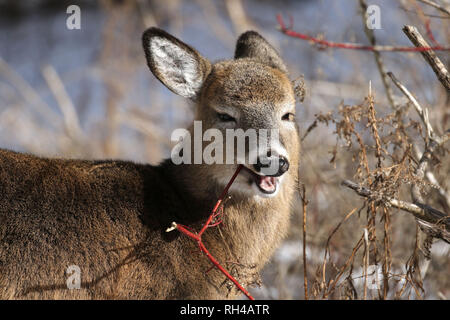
point(423, 113)
point(444, 195)
point(425, 14)
point(65, 104)
point(429, 55)
point(438, 221)
point(435, 141)
point(436, 6)
point(423, 163)
point(238, 16)
point(371, 36)
point(217, 25)
point(305, 271)
point(146, 13)
point(28, 93)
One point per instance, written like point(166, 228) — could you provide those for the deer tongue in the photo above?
point(267, 184)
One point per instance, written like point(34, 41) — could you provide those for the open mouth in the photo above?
point(265, 184)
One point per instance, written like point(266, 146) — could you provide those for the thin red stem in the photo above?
point(220, 200)
point(225, 272)
point(430, 32)
point(355, 46)
point(198, 236)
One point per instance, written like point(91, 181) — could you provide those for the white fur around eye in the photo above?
point(178, 68)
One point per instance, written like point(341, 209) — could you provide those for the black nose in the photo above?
point(265, 167)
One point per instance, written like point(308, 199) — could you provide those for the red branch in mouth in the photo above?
point(210, 223)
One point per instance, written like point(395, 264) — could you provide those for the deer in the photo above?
point(109, 217)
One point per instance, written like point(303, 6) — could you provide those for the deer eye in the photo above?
point(288, 117)
point(225, 117)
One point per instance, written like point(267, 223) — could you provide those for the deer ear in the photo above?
point(178, 66)
point(252, 45)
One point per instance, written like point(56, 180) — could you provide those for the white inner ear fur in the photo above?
point(179, 68)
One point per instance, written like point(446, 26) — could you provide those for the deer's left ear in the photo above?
point(177, 65)
point(252, 45)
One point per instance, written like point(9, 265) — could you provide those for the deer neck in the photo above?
point(251, 229)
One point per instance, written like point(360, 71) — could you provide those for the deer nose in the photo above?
point(272, 166)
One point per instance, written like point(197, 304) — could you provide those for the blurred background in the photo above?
point(88, 93)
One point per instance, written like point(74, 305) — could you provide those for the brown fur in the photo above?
point(110, 217)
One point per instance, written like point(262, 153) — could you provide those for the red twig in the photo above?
point(430, 32)
point(355, 46)
point(216, 212)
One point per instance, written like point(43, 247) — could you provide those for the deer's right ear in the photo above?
point(178, 66)
point(252, 45)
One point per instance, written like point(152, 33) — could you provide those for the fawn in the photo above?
point(109, 218)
